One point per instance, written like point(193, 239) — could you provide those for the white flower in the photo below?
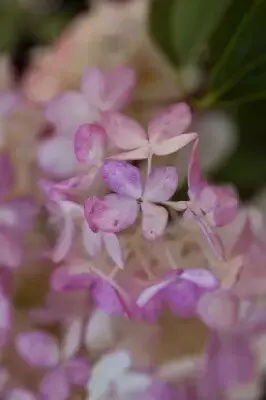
point(112, 376)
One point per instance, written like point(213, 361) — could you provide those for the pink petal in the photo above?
point(89, 144)
point(151, 291)
point(71, 278)
point(124, 132)
point(38, 348)
point(174, 144)
point(113, 213)
point(5, 313)
point(244, 240)
point(123, 178)
point(203, 278)
point(219, 309)
point(113, 248)
point(227, 206)
point(6, 174)
point(161, 184)
point(230, 361)
point(55, 385)
point(69, 111)
point(182, 298)
point(154, 220)
point(195, 180)
point(72, 337)
point(107, 298)
point(109, 90)
point(24, 210)
point(170, 122)
point(92, 241)
point(213, 239)
point(19, 394)
point(138, 154)
point(57, 158)
point(78, 371)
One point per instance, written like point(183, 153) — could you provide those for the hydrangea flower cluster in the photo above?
point(125, 251)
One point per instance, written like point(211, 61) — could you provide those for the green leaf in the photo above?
point(238, 52)
point(192, 23)
point(182, 27)
point(160, 29)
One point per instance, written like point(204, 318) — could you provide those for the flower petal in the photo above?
point(123, 131)
point(100, 333)
point(92, 241)
point(69, 111)
point(108, 90)
point(107, 298)
point(11, 248)
point(72, 338)
point(65, 240)
point(56, 157)
point(219, 309)
point(78, 371)
point(182, 298)
point(134, 383)
point(161, 184)
point(54, 385)
point(174, 144)
point(89, 144)
point(72, 277)
point(230, 361)
point(113, 248)
point(151, 291)
point(195, 181)
point(203, 278)
point(123, 178)
point(38, 348)
point(154, 220)
point(137, 154)
point(113, 213)
point(170, 122)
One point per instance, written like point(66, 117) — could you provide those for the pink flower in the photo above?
point(210, 206)
point(116, 212)
point(100, 91)
point(180, 290)
point(164, 134)
point(105, 293)
point(41, 350)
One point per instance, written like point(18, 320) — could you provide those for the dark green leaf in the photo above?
point(192, 23)
point(160, 29)
point(238, 51)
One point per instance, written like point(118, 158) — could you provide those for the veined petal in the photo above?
point(170, 122)
point(123, 178)
point(38, 348)
point(69, 111)
point(113, 213)
point(113, 248)
point(137, 154)
point(174, 144)
point(161, 184)
point(89, 144)
point(154, 220)
point(195, 181)
point(123, 131)
point(203, 278)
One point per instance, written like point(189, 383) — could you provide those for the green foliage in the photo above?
point(233, 33)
